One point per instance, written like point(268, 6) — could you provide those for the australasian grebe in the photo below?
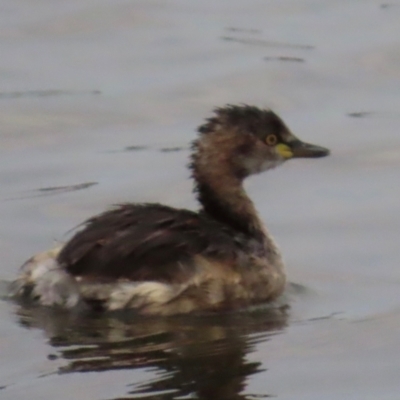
point(163, 261)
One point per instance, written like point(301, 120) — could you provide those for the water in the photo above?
point(98, 104)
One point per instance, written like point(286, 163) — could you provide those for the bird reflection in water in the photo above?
point(203, 357)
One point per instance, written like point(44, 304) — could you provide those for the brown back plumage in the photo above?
point(142, 242)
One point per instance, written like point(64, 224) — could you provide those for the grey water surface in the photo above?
point(99, 101)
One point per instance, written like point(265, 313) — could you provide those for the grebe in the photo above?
point(160, 260)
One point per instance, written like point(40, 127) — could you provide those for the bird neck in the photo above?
point(219, 187)
point(222, 197)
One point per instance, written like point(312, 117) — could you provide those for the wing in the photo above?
point(141, 242)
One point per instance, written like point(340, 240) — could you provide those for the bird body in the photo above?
point(164, 261)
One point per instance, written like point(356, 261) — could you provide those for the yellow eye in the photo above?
point(271, 140)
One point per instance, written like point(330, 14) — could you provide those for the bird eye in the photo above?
point(271, 140)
